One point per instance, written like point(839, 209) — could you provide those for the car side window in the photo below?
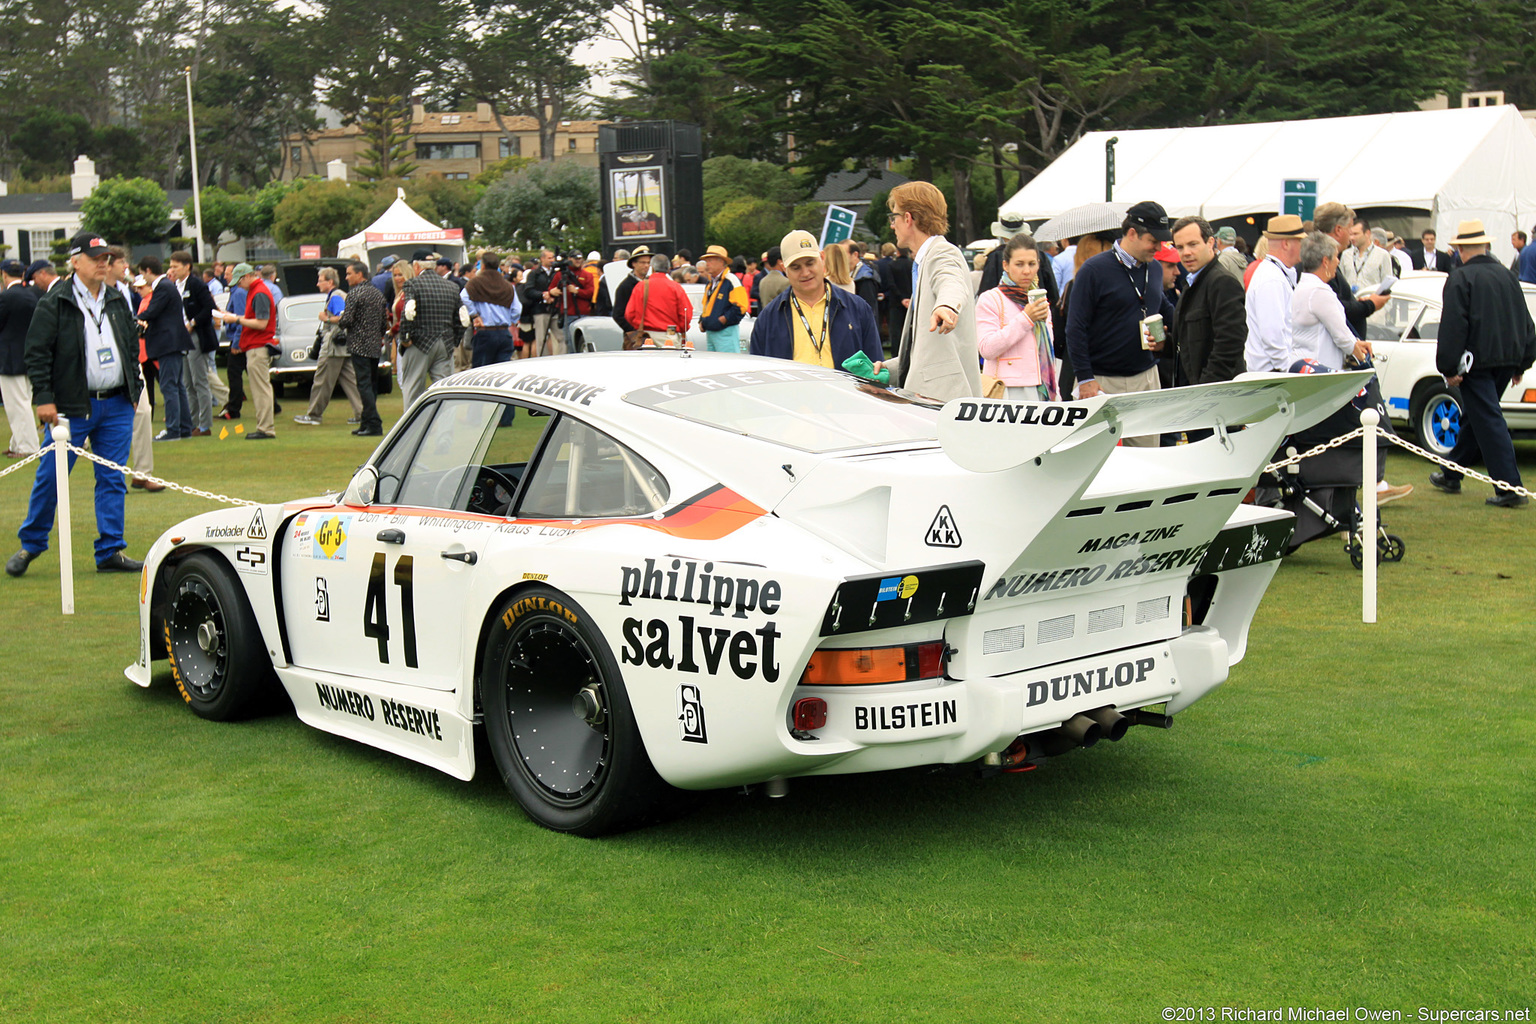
point(1390, 321)
point(446, 458)
point(392, 465)
point(582, 473)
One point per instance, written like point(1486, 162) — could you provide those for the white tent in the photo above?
point(401, 231)
point(1451, 164)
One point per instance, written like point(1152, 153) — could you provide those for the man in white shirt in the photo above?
point(1268, 348)
point(1401, 258)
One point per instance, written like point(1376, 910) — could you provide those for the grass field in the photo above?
point(1346, 823)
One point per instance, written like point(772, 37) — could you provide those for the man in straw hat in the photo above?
point(1268, 349)
point(1486, 339)
point(725, 302)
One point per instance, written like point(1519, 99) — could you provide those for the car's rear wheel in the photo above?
point(559, 720)
point(217, 655)
point(1437, 418)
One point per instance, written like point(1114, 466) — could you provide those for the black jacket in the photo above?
point(198, 306)
point(621, 302)
point(16, 306)
point(1483, 311)
point(1355, 310)
point(166, 334)
point(535, 283)
point(1210, 327)
point(56, 349)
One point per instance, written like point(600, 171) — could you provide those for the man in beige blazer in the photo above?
point(937, 356)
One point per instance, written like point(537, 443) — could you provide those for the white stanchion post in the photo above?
point(61, 440)
point(1368, 419)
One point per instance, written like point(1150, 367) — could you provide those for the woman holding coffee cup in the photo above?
point(1013, 327)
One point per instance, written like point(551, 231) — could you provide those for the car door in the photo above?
point(379, 591)
point(1397, 351)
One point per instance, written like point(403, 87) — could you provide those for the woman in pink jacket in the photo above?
point(1013, 333)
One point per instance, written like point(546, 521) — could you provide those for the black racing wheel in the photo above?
point(559, 720)
point(217, 653)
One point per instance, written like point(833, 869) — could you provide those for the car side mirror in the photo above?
point(363, 488)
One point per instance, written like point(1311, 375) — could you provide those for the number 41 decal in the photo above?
point(376, 610)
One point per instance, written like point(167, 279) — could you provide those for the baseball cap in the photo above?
point(37, 265)
point(1227, 235)
point(12, 268)
point(385, 263)
point(87, 243)
point(797, 245)
point(1150, 218)
point(444, 261)
point(1166, 253)
point(594, 255)
point(240, 271)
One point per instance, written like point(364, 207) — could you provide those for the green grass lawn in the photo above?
point(1347, 822)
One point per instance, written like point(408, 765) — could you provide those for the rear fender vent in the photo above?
point(1105, 619)
point(1151, 610)
point(1060, 628)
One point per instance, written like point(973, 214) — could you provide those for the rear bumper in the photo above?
point(878, 728)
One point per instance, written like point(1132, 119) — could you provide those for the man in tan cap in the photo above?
point(1486, 340)
point(1268, 302)
point(810, 321)
point(724, 304)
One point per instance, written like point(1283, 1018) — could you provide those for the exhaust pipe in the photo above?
point(1143, 717)
point(1082, 730)
point(1112, 722)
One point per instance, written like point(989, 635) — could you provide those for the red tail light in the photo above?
point(810, 714)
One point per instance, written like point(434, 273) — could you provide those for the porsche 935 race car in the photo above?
point(648, 570)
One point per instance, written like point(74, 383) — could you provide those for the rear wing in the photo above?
point(991, 435)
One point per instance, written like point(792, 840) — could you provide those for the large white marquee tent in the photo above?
point(1450, 164)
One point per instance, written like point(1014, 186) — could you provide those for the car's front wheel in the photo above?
point(217, 655)
point(559, 720)
point(1437, 418)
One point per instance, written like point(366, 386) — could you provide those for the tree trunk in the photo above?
point(963, 228)
point(997, 173)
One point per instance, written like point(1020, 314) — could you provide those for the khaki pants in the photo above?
point(1144, 381)
point(17, 391)
point(141, 450)
point(331, 368)
point(541, 333)
point(258, 364)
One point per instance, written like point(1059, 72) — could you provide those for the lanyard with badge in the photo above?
point(96, 309)
point(817, 344)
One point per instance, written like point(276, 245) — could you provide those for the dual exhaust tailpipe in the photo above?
point(1081, 730)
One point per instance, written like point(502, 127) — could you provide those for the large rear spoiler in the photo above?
point(990, 435)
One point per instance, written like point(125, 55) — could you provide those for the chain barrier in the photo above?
point(1274, 467)
point(1463, 470)
point(1342, 439)
point(45, 450)
point(195, 492)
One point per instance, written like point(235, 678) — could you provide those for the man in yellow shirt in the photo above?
point(809, 321)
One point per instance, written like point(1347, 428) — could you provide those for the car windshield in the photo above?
point(814, 410)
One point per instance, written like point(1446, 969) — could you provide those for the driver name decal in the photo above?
point(693, 648)
point(688, 581)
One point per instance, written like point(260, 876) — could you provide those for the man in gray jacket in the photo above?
point(937, 356)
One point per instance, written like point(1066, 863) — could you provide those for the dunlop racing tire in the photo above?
point(218, 657)
point(587, 775)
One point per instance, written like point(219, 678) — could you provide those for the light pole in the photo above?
point(197, 192)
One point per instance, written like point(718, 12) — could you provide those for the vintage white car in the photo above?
point(649, 570)
point(1402, 334)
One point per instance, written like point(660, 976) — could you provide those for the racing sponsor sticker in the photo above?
point(251, 560)
point(942, 532)
point(690, 714)
point(322, 601)
point(331, 534)
point(894, 587)
point(899, 717)
point(258, 528)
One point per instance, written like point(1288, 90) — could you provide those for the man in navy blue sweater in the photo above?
point(1114, 293)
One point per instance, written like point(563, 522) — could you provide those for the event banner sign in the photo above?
point(636, 199)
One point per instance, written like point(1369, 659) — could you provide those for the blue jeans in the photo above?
point(110, 428)
point(173, 385)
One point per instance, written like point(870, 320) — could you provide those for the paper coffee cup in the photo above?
point(1154, 330)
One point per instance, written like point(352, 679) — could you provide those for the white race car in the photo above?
point(1403, 334)
point(650, 570)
